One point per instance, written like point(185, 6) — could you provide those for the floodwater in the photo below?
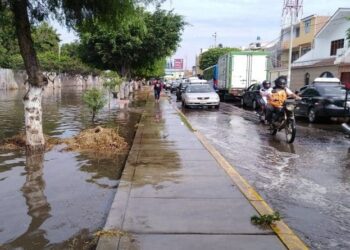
point(57, 200)
point(308, 182)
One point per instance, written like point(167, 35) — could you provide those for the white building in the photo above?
point(330, 53)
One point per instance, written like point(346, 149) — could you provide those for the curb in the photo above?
point(281, 229)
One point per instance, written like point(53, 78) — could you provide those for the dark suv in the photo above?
point(322, 101)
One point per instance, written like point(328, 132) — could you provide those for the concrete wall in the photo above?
point(298, 75)
point(275, 73)
point(10, 79)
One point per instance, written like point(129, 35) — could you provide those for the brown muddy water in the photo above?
point(59, 199)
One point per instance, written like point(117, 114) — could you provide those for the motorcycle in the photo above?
point(284, 119)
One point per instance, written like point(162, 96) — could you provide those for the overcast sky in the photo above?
point(236, 22)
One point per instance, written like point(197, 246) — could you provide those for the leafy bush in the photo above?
point(95, 100)
point(111, 79)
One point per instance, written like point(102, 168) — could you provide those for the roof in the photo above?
point(326, 80)
point(197, 81)
point(314, 63)
point(339, 14)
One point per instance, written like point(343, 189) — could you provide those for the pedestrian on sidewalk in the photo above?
point(157, 89)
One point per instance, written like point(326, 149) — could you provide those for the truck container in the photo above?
point(237, 70)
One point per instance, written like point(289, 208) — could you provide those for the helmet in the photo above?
point(281, 82)
point(266, 84)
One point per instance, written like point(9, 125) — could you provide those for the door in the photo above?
point(345, 77)
point(239, 72)
point(308, 98)
point(258, 69)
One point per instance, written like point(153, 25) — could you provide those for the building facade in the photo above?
point(302, 42)
point(330, 53)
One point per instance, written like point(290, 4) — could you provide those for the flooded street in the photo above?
point(57, 200)
point(308, 182)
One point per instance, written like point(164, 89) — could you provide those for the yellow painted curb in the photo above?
point(285, 234)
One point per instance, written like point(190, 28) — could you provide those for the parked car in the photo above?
point(174, 85)
point(200, 95)
point(322, 101)
point(181, 89)
point(167, 85)
point(250, 96)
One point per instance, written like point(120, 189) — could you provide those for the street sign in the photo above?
point(178, 63)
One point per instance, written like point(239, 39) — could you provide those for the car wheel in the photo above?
point(217, 106)
point(312, 115)
point(242, 103)
point(254, 105)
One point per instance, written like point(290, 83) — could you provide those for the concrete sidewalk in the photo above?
point(175, 195)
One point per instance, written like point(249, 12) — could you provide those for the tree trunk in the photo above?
point(38, 208)
point(32, 100)
point(33, 119)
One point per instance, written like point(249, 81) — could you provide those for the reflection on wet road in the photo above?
point(58, 199)
point(308, 181)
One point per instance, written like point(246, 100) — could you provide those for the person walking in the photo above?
point(157, 89)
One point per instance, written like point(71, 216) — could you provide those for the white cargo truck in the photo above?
point(237, 70)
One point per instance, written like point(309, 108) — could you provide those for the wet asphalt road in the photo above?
point(308, 181)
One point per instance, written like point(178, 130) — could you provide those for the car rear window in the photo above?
point(331, 90)
point(200, 89)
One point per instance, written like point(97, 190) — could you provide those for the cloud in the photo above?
point(236, 22)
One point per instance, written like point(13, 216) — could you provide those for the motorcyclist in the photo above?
point(278, 96)
point(265, 90)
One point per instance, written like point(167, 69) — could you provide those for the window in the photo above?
point(310, 93)
point(297, 31)
point(305, 50)
point(337, 44)
point(295, 55)
point(307, 25)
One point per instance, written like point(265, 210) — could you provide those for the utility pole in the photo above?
point(291, 9)
point(215, 36)
point(59, 64)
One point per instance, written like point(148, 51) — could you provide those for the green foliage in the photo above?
point(46, 43)
point(45, 38)
point(95, 100)
point(266, 219)
point(157, 69)
point(211, 57)
point(111, 79)
point(137, 43)
point(8, 42)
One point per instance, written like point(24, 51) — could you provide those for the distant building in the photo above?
point(302, 42)
point(330, 53)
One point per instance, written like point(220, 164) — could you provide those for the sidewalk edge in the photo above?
point(284, 233)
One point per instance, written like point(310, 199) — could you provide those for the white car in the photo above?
point(200, 95)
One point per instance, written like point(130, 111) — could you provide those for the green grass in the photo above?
point(266, 219)
point(185, 121)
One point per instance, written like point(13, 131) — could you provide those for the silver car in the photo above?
point(200, 95)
